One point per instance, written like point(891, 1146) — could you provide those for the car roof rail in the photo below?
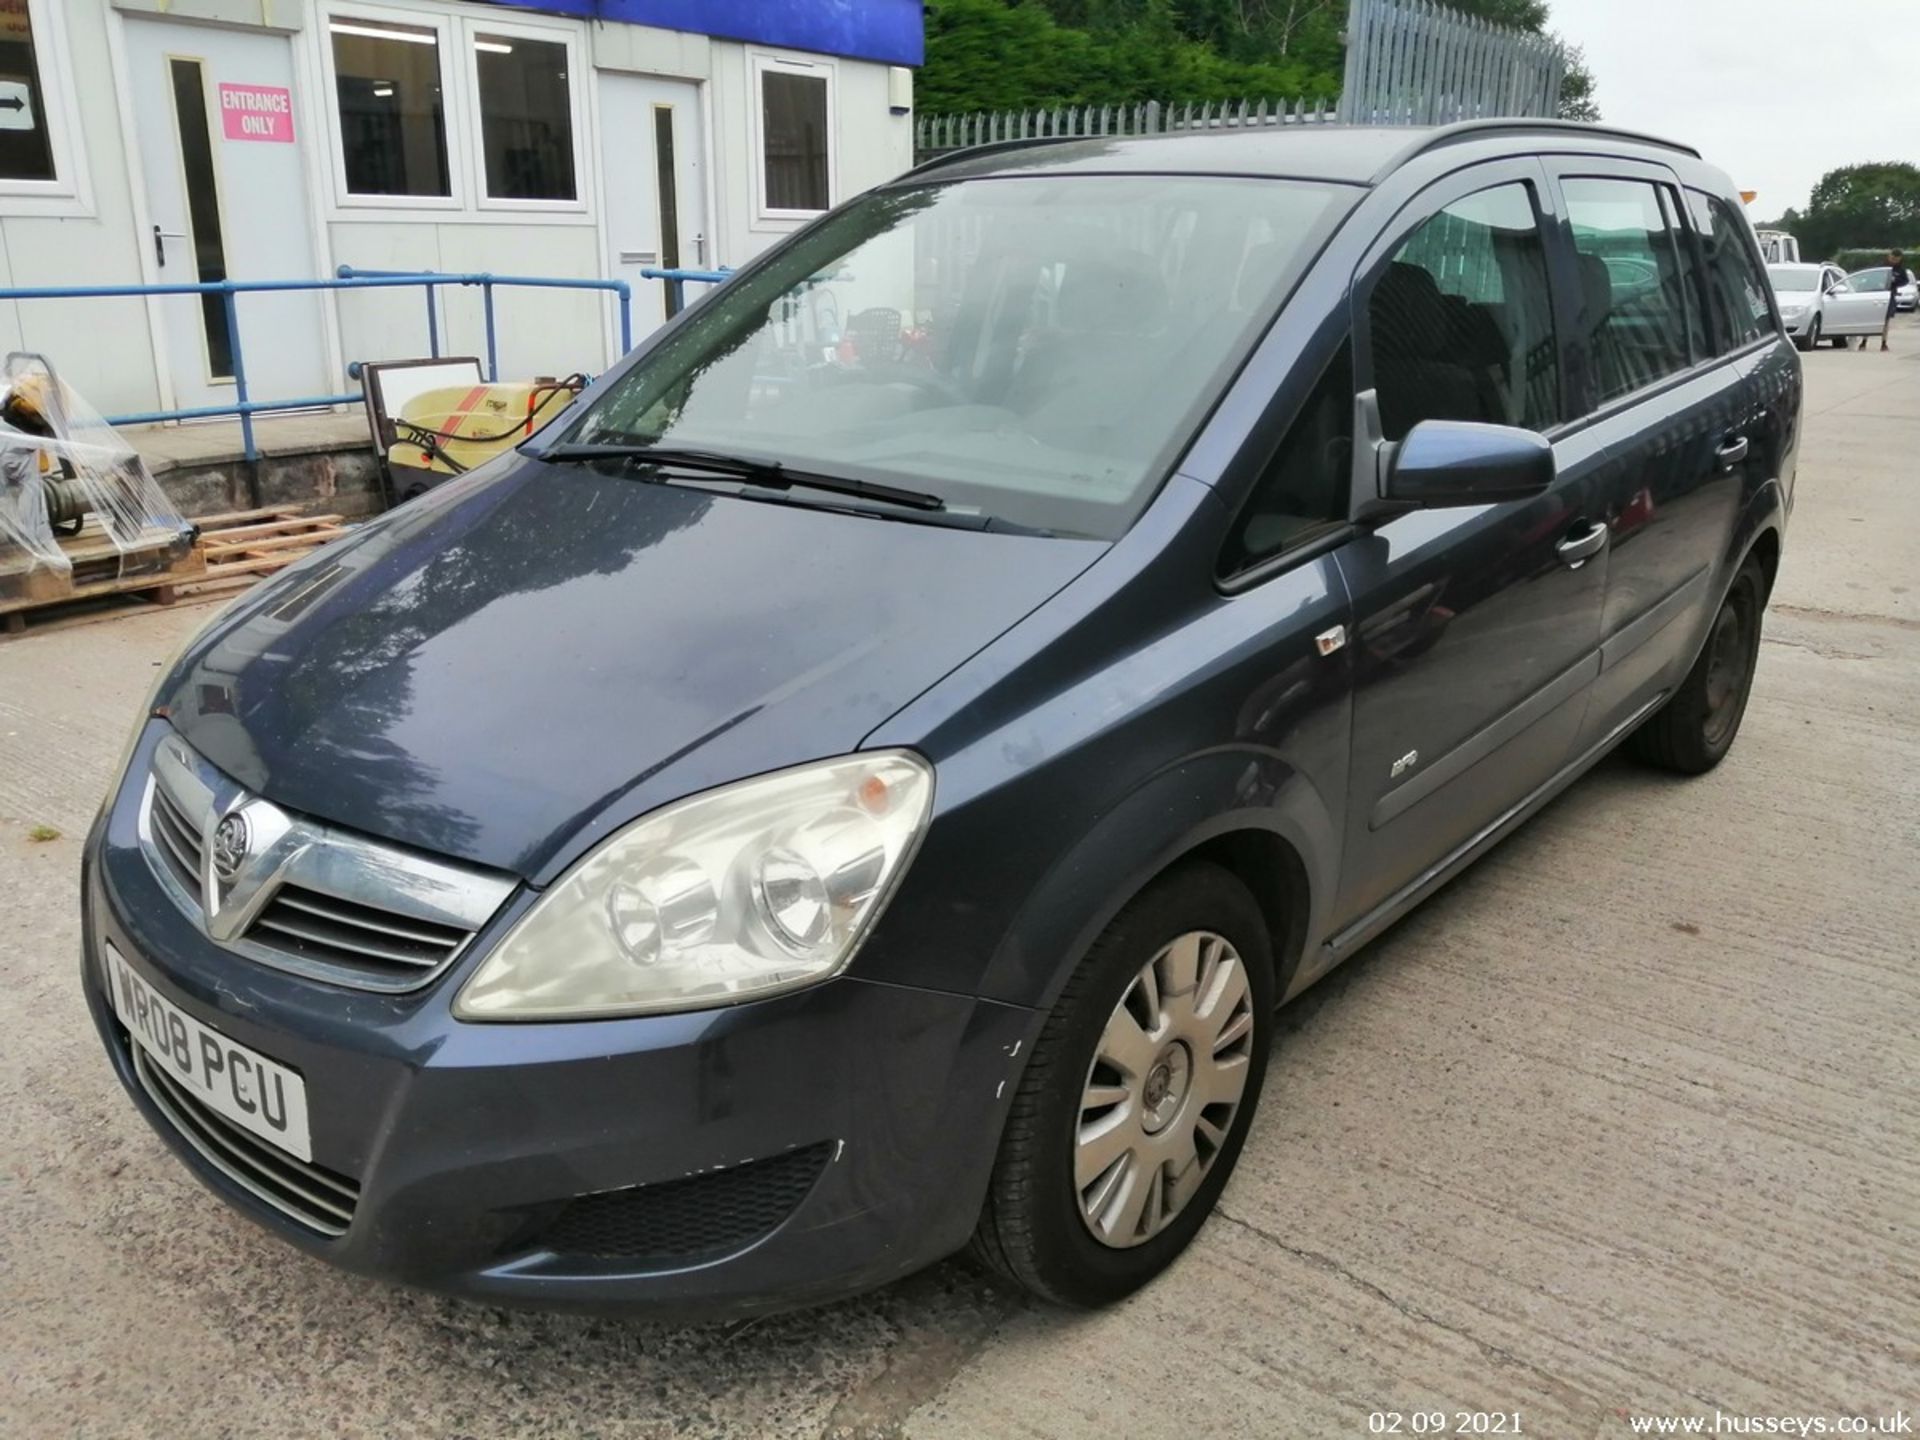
point(1474, 129)
point(997, 147)
point(1421, 141)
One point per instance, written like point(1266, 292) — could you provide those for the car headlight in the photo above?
point(738, 893)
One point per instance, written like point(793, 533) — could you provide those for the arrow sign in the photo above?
point(16, 106)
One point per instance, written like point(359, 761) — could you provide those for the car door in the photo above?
point(1476, 629)
point(1666, 401)
point(1832, 281)
point(1860, 308)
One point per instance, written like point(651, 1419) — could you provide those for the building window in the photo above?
point(26, 143)
point(526, 117)
point(393, 115)
point(209, 245)
point(796, 128)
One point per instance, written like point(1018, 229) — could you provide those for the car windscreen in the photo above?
point(1037, 349)
point(1792, 278)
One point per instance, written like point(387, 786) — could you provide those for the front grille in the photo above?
point(683, 1222)
point(179, 839)
point(317, 926)
point(303, 895)
point(316, 1198)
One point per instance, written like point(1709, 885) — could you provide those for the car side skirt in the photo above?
point(1350, 940)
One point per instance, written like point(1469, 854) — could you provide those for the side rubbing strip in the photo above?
point(1471, 751)
point(1635, 633)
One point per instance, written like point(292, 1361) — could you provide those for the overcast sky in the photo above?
point(1775, 92)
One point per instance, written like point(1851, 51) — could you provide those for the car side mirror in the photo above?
point(1460, 462)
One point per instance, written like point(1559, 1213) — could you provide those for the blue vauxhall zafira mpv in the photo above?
point(859, 784)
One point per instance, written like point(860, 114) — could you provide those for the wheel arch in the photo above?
point(1285, 850)
point(1766, 550)
point(1276, 876)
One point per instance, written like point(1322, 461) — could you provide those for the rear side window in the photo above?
point(1740, 311)
point(1304, 491)
point(1461, 322)
point(1633, 308)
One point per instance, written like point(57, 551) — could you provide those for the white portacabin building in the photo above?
point(164, 141)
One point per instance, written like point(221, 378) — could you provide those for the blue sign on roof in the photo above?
point(890, 31)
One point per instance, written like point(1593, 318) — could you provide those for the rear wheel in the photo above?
point(1694, 730)
point(1131, 1113)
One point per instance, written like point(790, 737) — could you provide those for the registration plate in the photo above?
point(259, 1095)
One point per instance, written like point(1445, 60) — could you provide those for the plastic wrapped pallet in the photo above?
point(59, 462)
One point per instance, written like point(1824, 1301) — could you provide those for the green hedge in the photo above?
point(1851, 260)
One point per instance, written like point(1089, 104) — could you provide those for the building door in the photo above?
point(227, 199)
point(655, 184)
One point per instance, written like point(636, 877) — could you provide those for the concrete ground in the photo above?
point(1626, 1121)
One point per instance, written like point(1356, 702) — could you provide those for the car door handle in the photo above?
point(1576, 550)
point(1731, 453)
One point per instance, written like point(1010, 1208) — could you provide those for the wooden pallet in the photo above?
point(234, 550)
point(243, 545)
point(95, 572)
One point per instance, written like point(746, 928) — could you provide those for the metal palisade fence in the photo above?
point(1409, 62)
point(1412, 62)
point(938, 134)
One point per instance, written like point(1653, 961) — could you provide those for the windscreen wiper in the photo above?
point(770, 474)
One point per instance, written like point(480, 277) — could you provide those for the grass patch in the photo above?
point(41, 834)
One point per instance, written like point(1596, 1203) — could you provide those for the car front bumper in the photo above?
point(469, 1142)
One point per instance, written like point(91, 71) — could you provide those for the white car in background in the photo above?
point(1823, 302)
point(1805, 294)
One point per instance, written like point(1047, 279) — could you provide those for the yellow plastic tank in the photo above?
point(451, 430)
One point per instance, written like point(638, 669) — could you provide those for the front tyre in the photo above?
point(1694, 730)
point(1131, 1113)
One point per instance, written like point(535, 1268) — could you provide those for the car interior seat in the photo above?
point(1077, 378)
point(1419, 371)
point(1604, 358)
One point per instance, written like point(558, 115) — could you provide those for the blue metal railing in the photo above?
point(433, 279)
point(245, 406)
point(677, 282)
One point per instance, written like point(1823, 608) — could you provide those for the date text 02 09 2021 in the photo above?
point(1444, 1422)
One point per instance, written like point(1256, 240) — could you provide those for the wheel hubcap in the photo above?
point(1163, 1090)
point(1166, 1088)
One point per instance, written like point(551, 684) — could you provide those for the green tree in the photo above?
point(1862, 207)
point(1027, 54)
point(1010, 55)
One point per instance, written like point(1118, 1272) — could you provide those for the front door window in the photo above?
point(1462, 320)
